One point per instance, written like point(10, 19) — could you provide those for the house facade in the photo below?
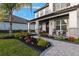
point(19, 24)
point(57, 19)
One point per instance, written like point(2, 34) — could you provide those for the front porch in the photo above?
point(53, 26)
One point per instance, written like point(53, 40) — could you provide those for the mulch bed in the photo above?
point(38, 48)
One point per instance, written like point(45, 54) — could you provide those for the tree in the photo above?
point(10, 7)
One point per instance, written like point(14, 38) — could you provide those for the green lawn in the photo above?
point(13, 47)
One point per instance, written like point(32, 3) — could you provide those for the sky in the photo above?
point(27, 13)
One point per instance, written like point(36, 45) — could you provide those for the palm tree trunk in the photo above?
point(10, 22)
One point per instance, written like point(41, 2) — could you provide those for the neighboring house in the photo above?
point(57, 18)
point(18, 24)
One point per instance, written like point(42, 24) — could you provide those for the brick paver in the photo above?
point(61, 49)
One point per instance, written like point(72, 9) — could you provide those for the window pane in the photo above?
point(47, 10)
point(63, 5)
point(57, 27)
point(64, 27)
point(58, 22)
point(37, 15)
point(57, 6)
point(41, 12)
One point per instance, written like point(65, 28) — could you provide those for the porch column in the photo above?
point(28, 27)
point(51, 27)
point(74, 23)
point(44, 27)
point(37, 27)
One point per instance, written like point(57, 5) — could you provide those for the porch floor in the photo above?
point(60, 48)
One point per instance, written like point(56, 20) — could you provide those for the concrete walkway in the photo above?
point(61, 48)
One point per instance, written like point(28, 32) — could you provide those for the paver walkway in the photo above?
point(61, 49)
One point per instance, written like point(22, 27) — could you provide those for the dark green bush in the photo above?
point(17, 35)
point(77, 40)
point(20, 34)
point(42, 42)
point(44, 33)
point(51, 37)
point(32, 30)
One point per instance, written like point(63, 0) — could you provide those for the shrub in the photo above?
point(60, 37)
point(17, 35)
point(44, 33)
point(42, 42)
point(51, 37)
point(77, 40)
point(71, 39)
point(32, 30)
point(20, 34)
point(24, 33)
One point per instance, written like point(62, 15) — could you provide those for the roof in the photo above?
point(46, 5)
point(67, 9)
point(17, 19)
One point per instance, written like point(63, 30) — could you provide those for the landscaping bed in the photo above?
point(37, 44)
point(70, 39)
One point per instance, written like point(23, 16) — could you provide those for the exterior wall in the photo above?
point(44, 27)
point(36, 15)
point(28, 27)
point(74, 23)
point(50, 7)
point(41, 12)
point(51, 27)
point(32, 26)
point(47, 10)
point(15, 26)
point(37, 27)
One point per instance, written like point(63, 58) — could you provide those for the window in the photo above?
point(63, 5)
point(41, 12)
point(58, 6)
point(47, 10)
point(37, 15)
point(57, 24)
point(61, 24)
point(57, 27)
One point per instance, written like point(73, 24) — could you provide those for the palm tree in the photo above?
point(9, 7)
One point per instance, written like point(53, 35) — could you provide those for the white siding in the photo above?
point(15, 26)
point(44, 26)
point(73, 19)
